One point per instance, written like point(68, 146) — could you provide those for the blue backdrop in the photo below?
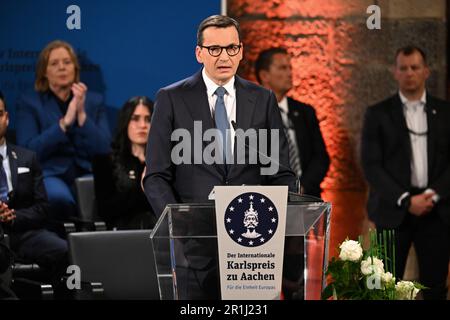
point(126, 47)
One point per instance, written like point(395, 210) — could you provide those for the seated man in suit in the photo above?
point(217, 98)
point(24, 207)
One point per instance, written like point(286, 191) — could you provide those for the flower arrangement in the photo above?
point(368, 274)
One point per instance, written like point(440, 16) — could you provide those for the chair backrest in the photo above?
point(85, 192)
point(123, 261)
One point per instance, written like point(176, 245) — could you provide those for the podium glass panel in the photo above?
point(184, 242)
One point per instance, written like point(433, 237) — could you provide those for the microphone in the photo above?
point(293, 197)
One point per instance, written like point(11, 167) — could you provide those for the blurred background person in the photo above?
point(308, 156)
point(63, 123)
point(121, 202)
point(405, 153)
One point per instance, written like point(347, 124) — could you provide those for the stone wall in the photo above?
point(341, 67)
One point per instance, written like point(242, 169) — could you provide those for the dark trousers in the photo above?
point(44, 248)
point(431, 238)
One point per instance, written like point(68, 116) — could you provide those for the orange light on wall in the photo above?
point(319, 36)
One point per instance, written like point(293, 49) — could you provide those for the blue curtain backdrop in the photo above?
point(126, 47)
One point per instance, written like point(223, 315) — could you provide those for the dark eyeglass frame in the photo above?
point(231, 46)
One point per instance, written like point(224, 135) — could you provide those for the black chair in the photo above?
point(122, 261)
point(85, 193)
point(88, 219)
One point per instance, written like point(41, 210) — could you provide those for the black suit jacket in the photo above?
point(28, 197)
point(313, 154)
point(386, 158)
point(178, 106)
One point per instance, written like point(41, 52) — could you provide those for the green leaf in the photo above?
point(327, 292)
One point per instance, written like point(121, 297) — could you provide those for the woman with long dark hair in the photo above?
point(121, 201)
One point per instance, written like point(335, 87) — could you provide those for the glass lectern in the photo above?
point(185, 236)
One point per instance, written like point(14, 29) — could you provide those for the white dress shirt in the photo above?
point(416, 120)
point(229, 99)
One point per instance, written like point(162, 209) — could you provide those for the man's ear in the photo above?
point(427, 72)
point(264, 76)
point(241, 52)
point(198, 54)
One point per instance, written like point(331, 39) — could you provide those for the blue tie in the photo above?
point(221, 118)
point(3, 182)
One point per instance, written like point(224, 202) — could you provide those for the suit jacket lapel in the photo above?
point(431, 137)
point(245, 106)
point(12, 156)
point(196, 100)
point(400, 121)
point(298, 118)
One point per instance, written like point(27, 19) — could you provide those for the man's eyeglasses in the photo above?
point(216, 51)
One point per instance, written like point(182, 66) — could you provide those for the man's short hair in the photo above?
point(265, 59)
point(217, 21)
point(409, 50)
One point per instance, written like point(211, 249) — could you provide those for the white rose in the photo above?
point(387, 277)
point(366, 267)
point(350, 250)
point(378, 266)
point(406, 290)
point(372, 265)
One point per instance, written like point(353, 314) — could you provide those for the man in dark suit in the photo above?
point(406, 160)
point(24, 207)
point(177, 106)
point(216, 98)
point(307, 153)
